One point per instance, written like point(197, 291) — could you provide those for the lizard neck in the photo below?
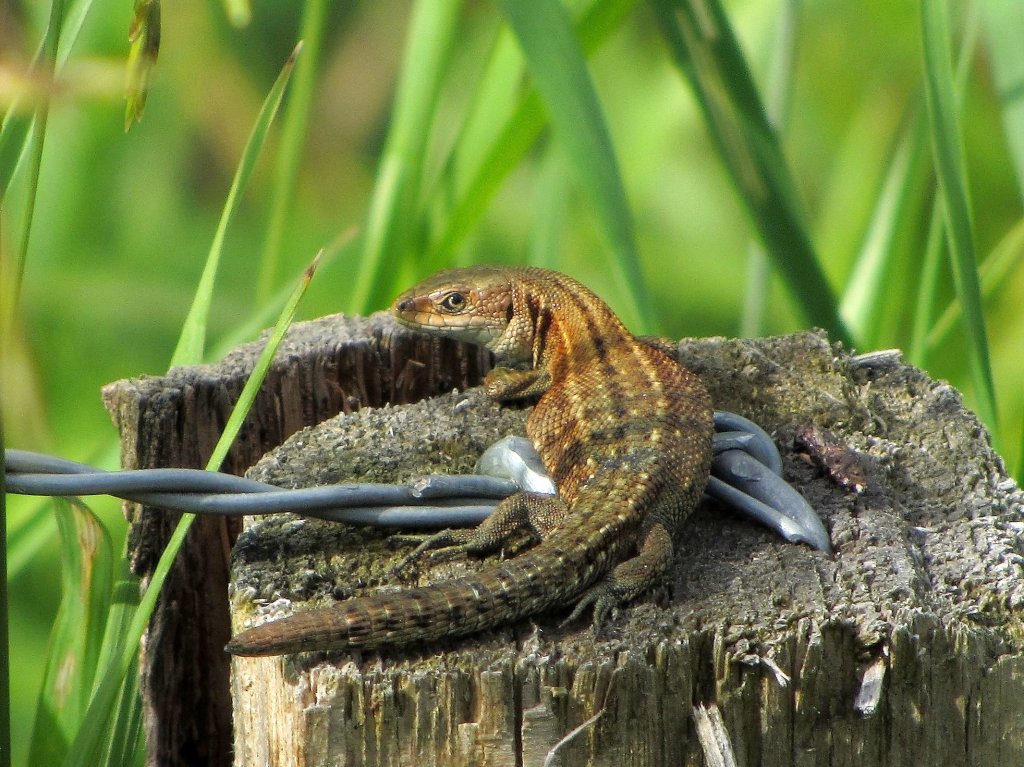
point(566, 326)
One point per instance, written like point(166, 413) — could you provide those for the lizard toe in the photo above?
point(602, 598)
point(436, 547)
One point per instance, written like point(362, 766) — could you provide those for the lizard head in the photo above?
point(473, 305)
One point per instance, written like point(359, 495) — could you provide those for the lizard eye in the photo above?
point(453, 302)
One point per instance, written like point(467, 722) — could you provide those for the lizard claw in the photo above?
point(602, 600)
point(443, 545)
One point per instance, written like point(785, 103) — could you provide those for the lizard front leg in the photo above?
point(505, 384)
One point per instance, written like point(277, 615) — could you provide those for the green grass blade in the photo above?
point(89, 739)
point(24, 539)
point(475, 174)
point(15, 137)
point(504, 154)
point(123, 735)
point(263, 314)
point(1019, 476)
point(87, 560)
point(558, 68)
point(493, 103)
point(779, 89)
point(36, 138)
point(867, 297)
point(995, 272)
point(865, 289)
point(192, 342)
point(704, 49)
point(74, 19)
point(393, 208)
point(5, 669)
point(948, 157)
point(293, 137)
point(33, 528)
point(496, 101)
point(549, 210)
point(1004, 30)
point(928, 282)
point(15, 130)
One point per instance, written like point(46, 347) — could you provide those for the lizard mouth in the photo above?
point(475, 331)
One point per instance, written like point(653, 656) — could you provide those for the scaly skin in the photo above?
point(623, 429)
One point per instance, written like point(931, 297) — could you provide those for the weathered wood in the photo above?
point(922, 599)
point(324, 367)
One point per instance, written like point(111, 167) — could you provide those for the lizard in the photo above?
point(623, 428)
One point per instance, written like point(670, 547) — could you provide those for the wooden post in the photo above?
point(905, 648)
point(324, 367)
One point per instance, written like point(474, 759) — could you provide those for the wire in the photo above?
point(439, 501)
point(747, 477)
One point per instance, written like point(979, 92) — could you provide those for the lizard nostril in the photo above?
point(403, 305)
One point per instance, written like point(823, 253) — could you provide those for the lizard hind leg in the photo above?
point(629, 578)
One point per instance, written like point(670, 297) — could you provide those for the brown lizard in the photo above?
point(623, 429)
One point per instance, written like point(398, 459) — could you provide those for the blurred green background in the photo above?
point(124, 220)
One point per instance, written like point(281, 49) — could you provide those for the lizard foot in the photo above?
point(629, 578)
point(447, 544)
point(506, 385)
point(602, 598)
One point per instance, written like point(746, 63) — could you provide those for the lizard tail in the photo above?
point(496, 596)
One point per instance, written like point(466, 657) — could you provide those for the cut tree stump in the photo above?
point(902, 649)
